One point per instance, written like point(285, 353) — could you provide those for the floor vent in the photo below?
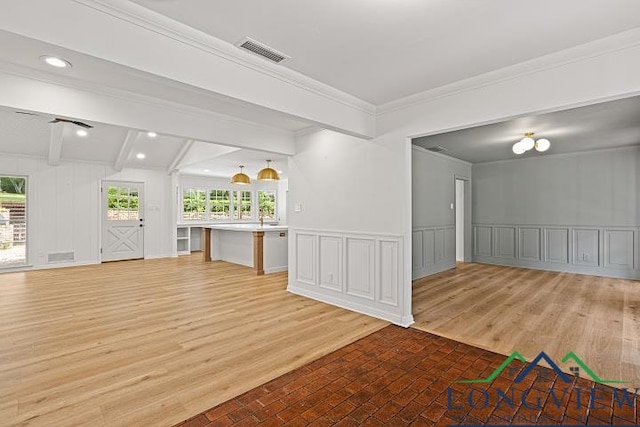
point(61, 257)
point(262, 50)
point(437, 149)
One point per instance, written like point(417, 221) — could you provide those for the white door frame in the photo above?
point(468, 243)
point(103, 188)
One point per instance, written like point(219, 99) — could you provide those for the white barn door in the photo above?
point(122, 220)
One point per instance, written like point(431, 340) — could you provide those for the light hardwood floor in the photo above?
point(505, 309)
point(151, 343)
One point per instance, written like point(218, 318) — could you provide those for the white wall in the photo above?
point(64, 208)
point(335, 177)
point(346, 243)
point(433, 195)
point(577, 213)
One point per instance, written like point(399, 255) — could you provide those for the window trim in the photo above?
point(255, 216)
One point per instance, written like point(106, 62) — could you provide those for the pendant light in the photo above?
point(268, 174)
point(241, 178)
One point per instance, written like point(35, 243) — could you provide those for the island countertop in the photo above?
point(247, 227)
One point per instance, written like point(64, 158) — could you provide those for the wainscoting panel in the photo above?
point(417, 246)
point(556, 245)
point(529, 247)
point(428, 247)
point(331, 263)
point(505, 238)
point(388, 285)
point(438, 246)
point(586, 244)
point(483, 240)
point(306, 262)
point(361, 272)
point(598, 250)
point(618, 249)
point(360, 268)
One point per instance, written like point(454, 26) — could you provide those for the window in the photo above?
point(267, 204)
point(219, 204)
point(13, 221)
point(123, 204)
point(242, 205)
point(194, 204)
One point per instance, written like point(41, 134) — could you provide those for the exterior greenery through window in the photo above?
point(220, 204)
point(267, 204)
point(123, 204)
point(13, 221)
point(242, 205)
point(214, 204)
point(194, 204)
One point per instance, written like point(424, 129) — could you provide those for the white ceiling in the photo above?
point(605, 125)
point(25, 52)
point(226, 162)
point(31, 135)
point(382, 50)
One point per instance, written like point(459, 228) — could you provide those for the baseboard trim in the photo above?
point(561, 268)
point(404, 321)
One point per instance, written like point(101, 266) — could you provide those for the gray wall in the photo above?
point(578, 212)
point(433, 220)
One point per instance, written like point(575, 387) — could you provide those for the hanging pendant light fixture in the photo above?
point(268, 174)
point(528, 143)
point(241, 178)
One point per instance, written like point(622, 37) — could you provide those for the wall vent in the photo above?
point(54, 257)
point(437, 149)
point(262, 50)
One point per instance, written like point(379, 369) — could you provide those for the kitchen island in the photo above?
point(262, 247)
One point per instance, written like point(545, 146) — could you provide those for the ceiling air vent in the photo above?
point(437, 149)
point(262, 50)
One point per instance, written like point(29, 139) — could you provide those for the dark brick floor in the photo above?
point(405, 377)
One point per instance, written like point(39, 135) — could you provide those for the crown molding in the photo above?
point(308, 131)
point(140, 16)
point(630, 148)
point(617, 42)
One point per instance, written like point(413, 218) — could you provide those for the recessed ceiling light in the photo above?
point(54, 61)
point(140, 156)
point(152, 134)
point(82, 133)
point(207, 170)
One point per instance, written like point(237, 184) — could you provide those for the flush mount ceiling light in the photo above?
point(528, 143)
point(152, 134)
point(54, 61)
point(82, 133)
point(268, 174)
point(140, 156)
point(241, 178)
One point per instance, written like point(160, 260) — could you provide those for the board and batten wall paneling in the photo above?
point(64, 208)
point(602, 251)
point(358, 271)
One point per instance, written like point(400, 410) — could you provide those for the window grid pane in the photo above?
point(267, 204)
point(194, 204)
point(123, 204)
point(219, 204)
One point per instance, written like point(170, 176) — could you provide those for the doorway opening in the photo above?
point(13, 221)
point(122, 221)
point(462, 207)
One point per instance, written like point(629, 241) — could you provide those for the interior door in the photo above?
point(122, 220)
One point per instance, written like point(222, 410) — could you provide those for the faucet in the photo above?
point(261, 221)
